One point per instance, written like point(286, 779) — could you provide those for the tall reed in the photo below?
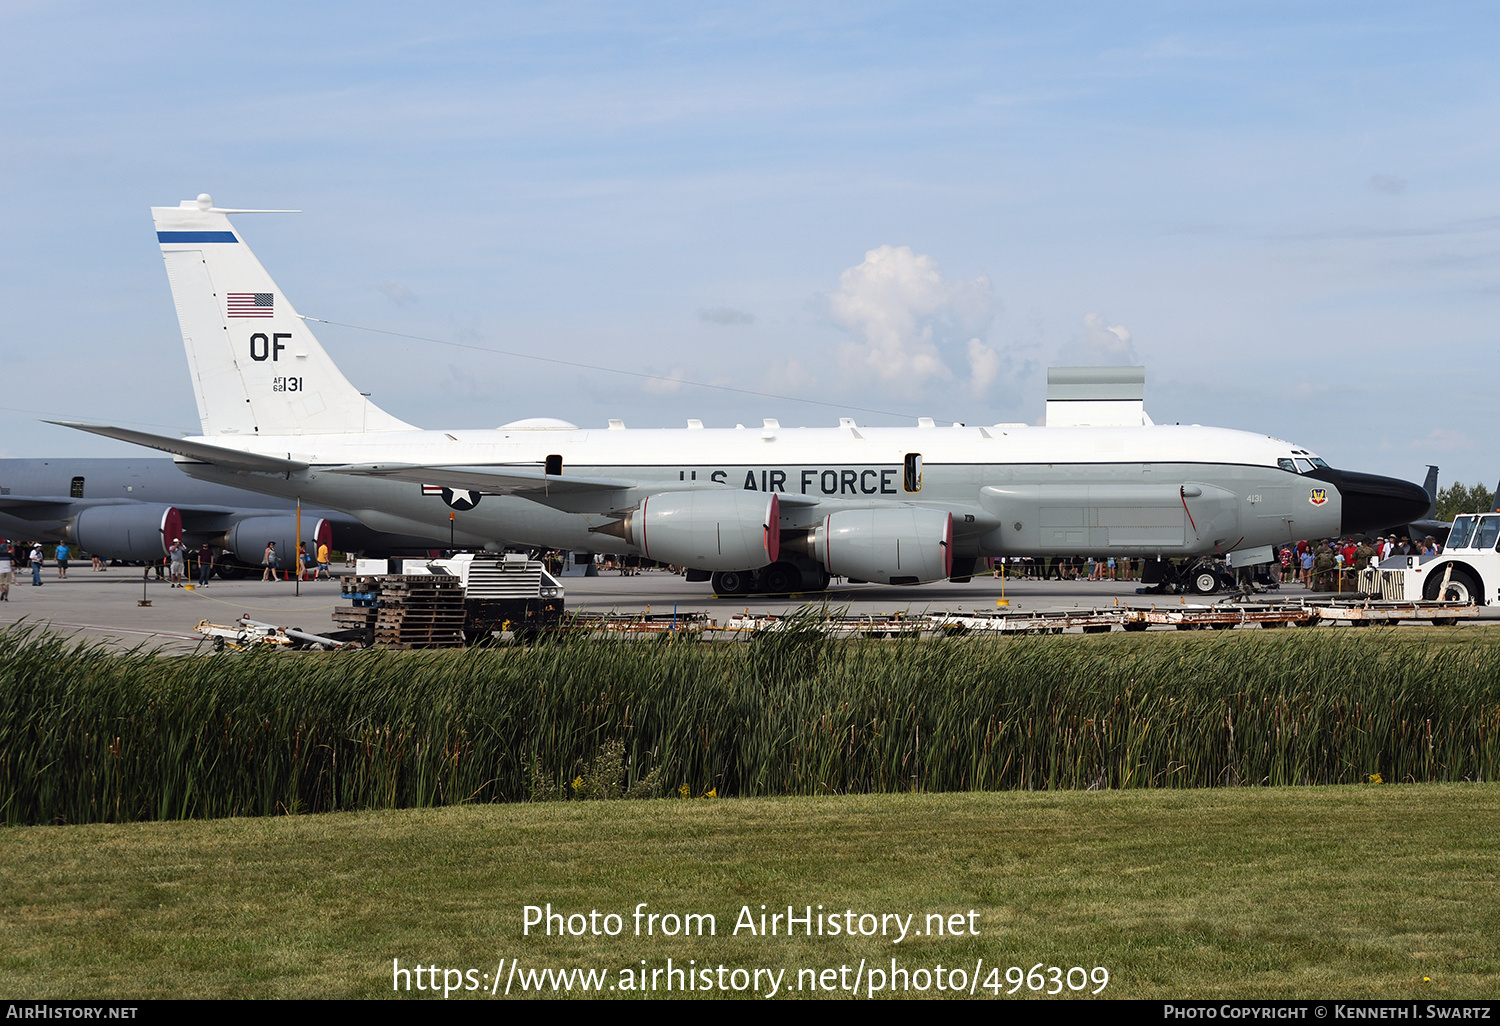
point(86, 735)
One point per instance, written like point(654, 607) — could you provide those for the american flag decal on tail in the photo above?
point(252, 304)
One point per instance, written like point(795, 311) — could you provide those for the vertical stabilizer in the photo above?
point(1430, 485)
point(256, 367)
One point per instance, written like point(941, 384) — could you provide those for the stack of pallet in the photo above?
point(420, 612)
point(399, 611)
point(364, 593)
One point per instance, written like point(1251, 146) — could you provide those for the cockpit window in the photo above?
point(1488, 534)
point(1320, 463)
point(1286, 464)
point(1303, 466)
point(1458, 538)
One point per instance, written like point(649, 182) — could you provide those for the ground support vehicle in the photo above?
point(1467, 571)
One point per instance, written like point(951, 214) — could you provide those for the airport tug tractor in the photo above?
point(1468, 570)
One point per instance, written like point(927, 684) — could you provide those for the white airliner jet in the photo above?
point(761, 508)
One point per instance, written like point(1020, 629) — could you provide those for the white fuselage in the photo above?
point(1012, 489)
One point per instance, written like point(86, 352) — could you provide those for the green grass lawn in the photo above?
point(1308, 892)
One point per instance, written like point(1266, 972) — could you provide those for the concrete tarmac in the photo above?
point(104, 605)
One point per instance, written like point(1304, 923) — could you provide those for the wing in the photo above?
point(36, 507)
point(570, 494)
point(567, 493)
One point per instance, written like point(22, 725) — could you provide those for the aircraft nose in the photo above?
point(1372, 502)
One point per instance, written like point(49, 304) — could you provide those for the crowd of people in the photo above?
point(1316, 565)
point(1320, 566)
point(173, 565)
point(11, 555)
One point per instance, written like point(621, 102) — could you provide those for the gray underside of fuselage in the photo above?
point(1018, 509)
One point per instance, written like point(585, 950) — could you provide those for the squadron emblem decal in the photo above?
point(1318, 496)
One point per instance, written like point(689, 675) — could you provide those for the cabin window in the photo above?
point(912, 478)
point(1458, 537)
point(1489, 533)
point(554, 465)
point(76, 488)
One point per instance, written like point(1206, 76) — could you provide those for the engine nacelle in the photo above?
point(137, 531)
point(705, 530)
point(246, 539)
point(894, 545)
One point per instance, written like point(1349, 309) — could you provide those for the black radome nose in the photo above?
point(1373, 503)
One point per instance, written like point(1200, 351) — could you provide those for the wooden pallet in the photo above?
point(419, 612)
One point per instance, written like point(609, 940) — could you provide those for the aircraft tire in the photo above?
point(730, 582)
point(1205, 582)
point(1461, 588)
point(780, 578)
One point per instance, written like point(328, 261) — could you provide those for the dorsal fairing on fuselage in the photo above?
point(257, 369)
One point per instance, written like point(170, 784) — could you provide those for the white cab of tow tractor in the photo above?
point(490, 576)
point(1467, 570)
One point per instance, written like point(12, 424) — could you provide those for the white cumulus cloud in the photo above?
point(905, 315)
point(398, 293)
point(666, 384)
point(1101, 345)
point(984, 366)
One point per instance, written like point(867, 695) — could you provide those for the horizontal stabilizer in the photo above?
point(231, 459)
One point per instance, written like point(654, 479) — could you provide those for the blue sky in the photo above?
point(1289, 214)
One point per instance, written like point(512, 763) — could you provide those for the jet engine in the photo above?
point(705, 530)
point(246, 539)
point(894, 545)
point(131, 532)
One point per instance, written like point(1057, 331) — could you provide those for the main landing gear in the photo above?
point(780, 578)
point(1199, 576)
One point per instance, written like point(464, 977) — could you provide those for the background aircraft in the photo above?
point(131, 510)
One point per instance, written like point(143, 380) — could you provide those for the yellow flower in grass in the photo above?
point(1374, 778)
